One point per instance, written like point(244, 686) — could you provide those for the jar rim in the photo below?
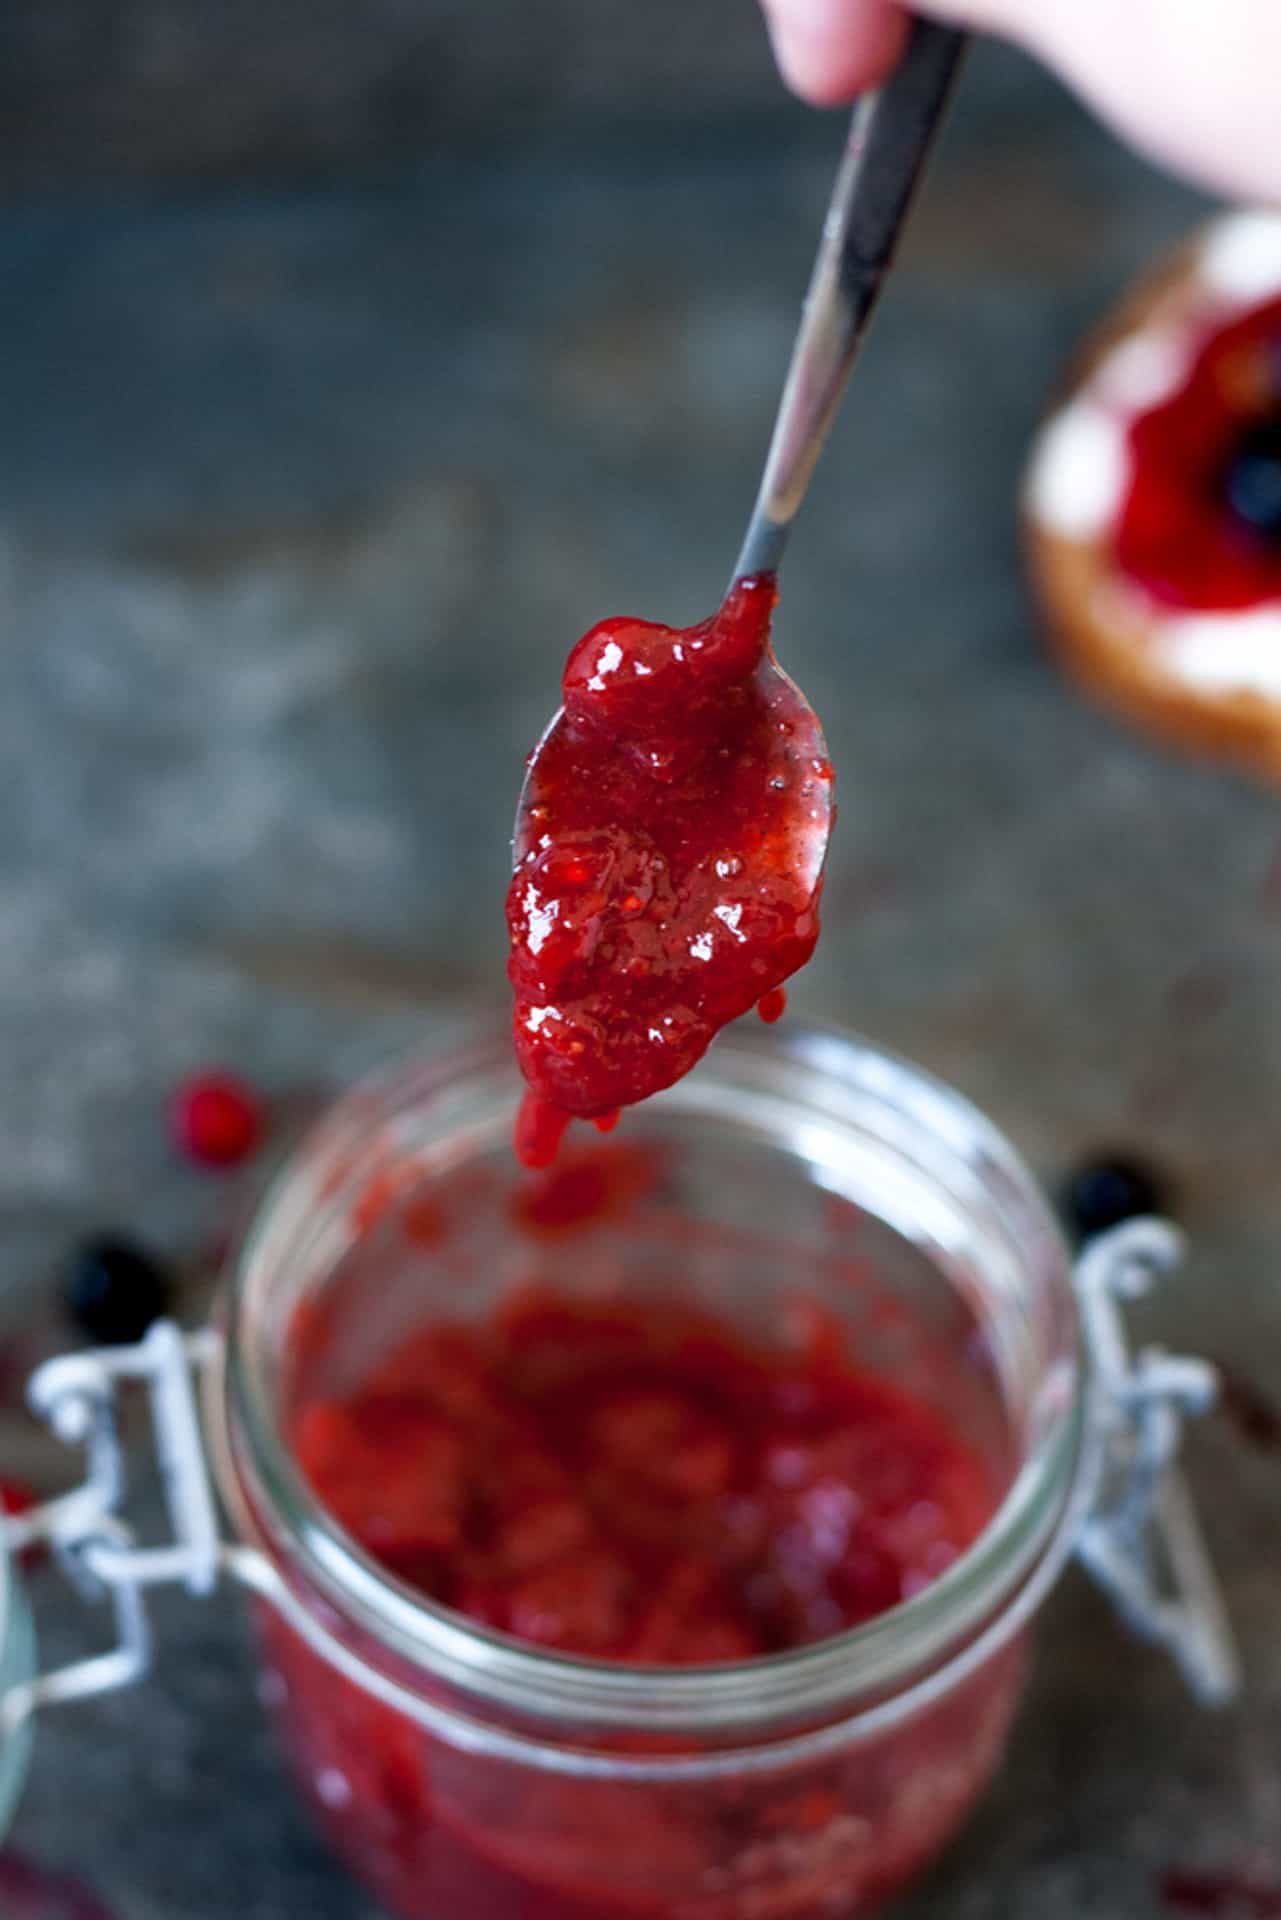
point(893, 1653)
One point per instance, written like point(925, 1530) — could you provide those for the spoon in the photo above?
point(583, 850)
point(889, 139)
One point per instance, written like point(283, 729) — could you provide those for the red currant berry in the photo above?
point(217, 1119)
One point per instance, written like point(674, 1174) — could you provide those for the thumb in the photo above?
point(1193, 86)
point(830, 50)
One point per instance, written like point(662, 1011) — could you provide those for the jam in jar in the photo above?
point(658, 1526)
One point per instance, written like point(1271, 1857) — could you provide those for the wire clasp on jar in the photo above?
point(77, 1395)
point(1140, 1539)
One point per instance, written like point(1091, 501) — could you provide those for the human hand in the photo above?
point(1194, 86)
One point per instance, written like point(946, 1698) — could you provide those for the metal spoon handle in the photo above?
point(889, 138)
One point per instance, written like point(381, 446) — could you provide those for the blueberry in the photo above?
point(1102, 1193)
point(1252, 480)
point(115, 1289)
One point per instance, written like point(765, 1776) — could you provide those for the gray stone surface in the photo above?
point(164, 90)
point(302, 499)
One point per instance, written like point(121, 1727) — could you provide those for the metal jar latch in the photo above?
point(1140, 1538)
point(1136, 1534)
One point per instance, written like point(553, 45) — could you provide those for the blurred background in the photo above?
point(353, 360)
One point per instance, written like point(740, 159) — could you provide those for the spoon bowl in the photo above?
point(802, 747)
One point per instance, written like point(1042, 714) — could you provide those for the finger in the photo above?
point(829, 51)
point(1190, 85)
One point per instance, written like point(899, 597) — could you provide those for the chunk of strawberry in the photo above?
point(389, 1470)
point(580, 1604)
point(662, 1440)
point(692, 1621)
point(449, 1367)
point(543, 1530)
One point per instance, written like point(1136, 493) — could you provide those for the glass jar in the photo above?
point(17, 1661)
point(458, 1770)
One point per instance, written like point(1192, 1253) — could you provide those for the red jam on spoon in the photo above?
point(669, 859)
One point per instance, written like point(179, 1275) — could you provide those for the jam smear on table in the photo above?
point(1253, 1415)
point(638, 1482)
point(29, 1892)
point(668, 881)
point(1228, 1896)
point(1200, 527)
